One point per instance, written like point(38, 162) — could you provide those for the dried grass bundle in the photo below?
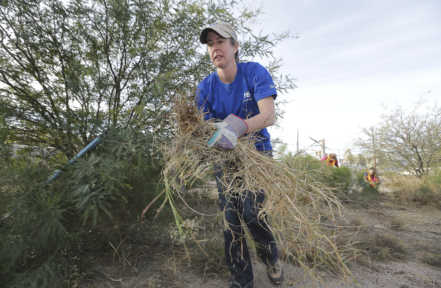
point(297, 204)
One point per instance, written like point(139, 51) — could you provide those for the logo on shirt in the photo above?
point(247, 97)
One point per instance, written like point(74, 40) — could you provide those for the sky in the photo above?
point(352, 62)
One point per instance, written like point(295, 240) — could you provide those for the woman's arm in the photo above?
point(266, 116)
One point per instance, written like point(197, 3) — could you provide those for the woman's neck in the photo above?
point(228, 73)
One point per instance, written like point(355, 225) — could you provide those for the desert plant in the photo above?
point(101, 193)
point(123, 171)
point(382, 247)
point(434, 179)
point(35, 233)
point(340, 179)
point(397, 224)
point(302, 162)
point(432, 259)
point(420, 190)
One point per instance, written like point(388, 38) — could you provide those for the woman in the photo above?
point(242, 96)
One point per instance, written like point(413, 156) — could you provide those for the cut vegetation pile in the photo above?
point(304, 213)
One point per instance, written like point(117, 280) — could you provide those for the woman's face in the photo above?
point(221, 50)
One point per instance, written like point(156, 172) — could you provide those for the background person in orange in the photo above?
point(330, 160)
point(371, 178)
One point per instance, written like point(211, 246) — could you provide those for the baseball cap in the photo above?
point(223, 29)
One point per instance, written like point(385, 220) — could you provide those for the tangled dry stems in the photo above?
point(304, 213)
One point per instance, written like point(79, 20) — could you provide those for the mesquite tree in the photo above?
point(70, 70)
point(409, 141)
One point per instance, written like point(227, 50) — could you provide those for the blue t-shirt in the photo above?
point(252, 83)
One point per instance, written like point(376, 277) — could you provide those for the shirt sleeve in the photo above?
point(202, 102)
point(262, 83)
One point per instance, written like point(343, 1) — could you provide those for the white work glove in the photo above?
point(228, 131)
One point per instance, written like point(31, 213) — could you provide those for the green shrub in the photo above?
point(428, 194)
point(424, 190)
point(302, 162)
point(95, 198)
point(383, 247)
point(433, 259)
point(338, 178)
point(434, 179)
point(35, 231)
point(5, 149)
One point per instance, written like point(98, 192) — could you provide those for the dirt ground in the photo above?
point(404, 243)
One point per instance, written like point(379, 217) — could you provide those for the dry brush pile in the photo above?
point(305, 214)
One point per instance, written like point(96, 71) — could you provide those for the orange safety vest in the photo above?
point(372, 179)
point(330, 162)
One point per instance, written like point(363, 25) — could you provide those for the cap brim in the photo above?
point(204, 34)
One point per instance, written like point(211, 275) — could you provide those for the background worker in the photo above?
point(371, 177)
point(240, 95)
point(330, 160)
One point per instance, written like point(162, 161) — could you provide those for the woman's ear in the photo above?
point(236, 47)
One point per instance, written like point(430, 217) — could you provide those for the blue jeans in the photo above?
point(245, 207)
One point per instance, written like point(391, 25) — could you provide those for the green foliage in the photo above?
point(5, 149)
point(337, 178)
point(429, 192)
point(35, 231)
point(105, 191)
point(435, 178)
point(433, 259)
point(122, 173)
point(424, 190)
point(302, 162)
point(81, 67)
point(424, 195)
point(340, 178)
